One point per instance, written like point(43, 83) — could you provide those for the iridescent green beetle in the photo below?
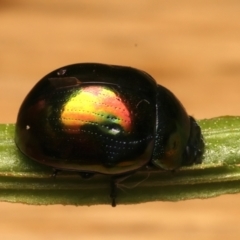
point(96, 118)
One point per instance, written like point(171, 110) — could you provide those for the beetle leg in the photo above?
point(115, 180)
point(113, 191)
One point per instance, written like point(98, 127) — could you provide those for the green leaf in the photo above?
point(25, 181)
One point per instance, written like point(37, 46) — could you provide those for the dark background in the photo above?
point(191, 47)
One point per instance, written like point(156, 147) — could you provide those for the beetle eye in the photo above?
point(173, 143)
point(172, 154)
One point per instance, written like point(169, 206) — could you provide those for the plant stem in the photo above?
point(25, 181)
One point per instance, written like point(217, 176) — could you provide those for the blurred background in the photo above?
point(191, 47)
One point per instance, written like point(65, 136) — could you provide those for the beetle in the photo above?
point(95, 118)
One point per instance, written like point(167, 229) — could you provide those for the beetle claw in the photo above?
point(113, 193)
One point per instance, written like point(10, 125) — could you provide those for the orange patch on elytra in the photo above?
point(95, 104)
